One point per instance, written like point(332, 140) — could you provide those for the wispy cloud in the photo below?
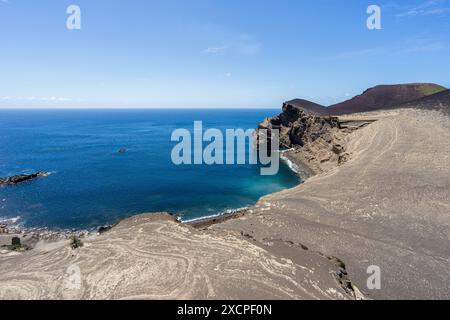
point(414, 44)
point(215, 50)
point(427, 8)
point(419, 44)
point(242, 45)
point(33, 98)
point(356, 53)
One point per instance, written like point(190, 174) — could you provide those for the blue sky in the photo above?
point(215, 53)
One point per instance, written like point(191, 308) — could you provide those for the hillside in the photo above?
point(381, 198)
point(439, 101)
point(385, 97)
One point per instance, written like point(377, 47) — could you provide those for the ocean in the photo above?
point(93, 184)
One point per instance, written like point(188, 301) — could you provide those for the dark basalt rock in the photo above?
point(104, 229)
point(299, 126)
point(21, 178)
point(15, 242)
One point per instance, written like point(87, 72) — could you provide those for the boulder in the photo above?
point(104, 229)
point(15, 242)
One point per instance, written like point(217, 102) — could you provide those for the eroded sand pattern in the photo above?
point(153, 257)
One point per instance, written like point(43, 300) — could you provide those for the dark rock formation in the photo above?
point(104, 229)
point(315, 142)
point(15, 242)
point(21, 178)
point(16, 245)
point(308, 106)
point(299, 127)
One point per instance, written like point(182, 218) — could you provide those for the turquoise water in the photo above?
point(92, 184)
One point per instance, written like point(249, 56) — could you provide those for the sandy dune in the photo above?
point(388, 206)
point(153, 257)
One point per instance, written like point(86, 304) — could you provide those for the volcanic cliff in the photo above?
point(313, 135)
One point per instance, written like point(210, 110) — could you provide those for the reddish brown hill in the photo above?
point(385, 97)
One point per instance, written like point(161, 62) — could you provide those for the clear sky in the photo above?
point(215, 53)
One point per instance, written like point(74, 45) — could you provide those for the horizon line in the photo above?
point(132, 108)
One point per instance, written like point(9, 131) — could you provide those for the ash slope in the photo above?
point(439, 101)
point(387, 204)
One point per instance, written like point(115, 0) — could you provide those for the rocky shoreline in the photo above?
point(30, 237)
point(225, 216)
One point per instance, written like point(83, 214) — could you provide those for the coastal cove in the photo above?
point(216, 159)
point(319, 236)
point(118, 162)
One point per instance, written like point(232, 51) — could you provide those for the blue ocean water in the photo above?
point(93, 184)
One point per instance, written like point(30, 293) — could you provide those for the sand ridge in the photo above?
point(388, 206)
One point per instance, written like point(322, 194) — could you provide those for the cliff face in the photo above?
point(308, 106)
point(315, 141)
point(299, 127)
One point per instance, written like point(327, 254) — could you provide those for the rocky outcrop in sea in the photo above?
point(20, 178)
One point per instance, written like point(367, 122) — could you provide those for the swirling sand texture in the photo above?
point(153, 257)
